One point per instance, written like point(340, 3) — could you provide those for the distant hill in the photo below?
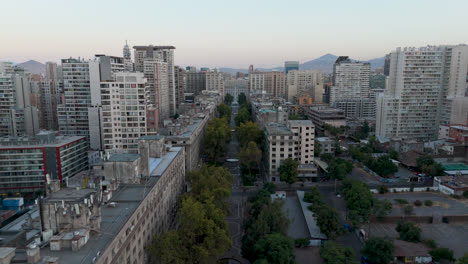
point(323, 63)
point(33, 66)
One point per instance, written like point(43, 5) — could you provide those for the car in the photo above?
point(348, 227)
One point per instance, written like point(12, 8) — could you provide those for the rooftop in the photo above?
point(162, 163)
point(455, 167)
point(314, 230)
point(123, 157)
point(153, 47)
point(409, 249)
point(300, 123)
point(275, 129)
point(69, 194)
point(24, 142)
point(323, 139)
point(151, 137)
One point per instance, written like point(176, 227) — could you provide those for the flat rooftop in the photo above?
point(15, 142)
point(69, 195)
point(323, 139)
point(455, 167)
point(301, 123)
point(314, 230)
point(153, 47)
point(123, 157)
point(275, 129)
point(164, 162)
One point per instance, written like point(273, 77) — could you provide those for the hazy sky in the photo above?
point(227, 33)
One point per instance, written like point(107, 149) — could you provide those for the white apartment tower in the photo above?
point(157, 93)
point(306, 82)
point(162, 54)
point(124, 112)
point(350, 90)
point(423, 86)
point(256, 81)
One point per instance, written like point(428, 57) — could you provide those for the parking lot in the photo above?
point(442, 204)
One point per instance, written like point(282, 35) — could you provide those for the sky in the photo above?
point(227, 33)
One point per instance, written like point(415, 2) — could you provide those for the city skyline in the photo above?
point(213, 35)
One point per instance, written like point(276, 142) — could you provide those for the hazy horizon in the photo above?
point(207, 33)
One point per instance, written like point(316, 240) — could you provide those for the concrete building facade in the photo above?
point(275, 83)
point(305, 83)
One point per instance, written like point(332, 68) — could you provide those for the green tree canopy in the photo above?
point(250, 156)
point(463, 260)
point(224, 112)
point(317, 149)
point(332, 253)
point(381, 208)
point(442, 253)
point(249, 131)
point(211, 181)
point(327, 220)
point(408, 231)
point(288, 170)
point(359, 200)
point(242, 116)
point(241, 99)
point(275, 249)
point(428, 166)
point(218, 135)
point(228, 98)
point(338, 169)
point(378, 250)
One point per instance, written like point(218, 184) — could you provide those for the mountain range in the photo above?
point(323, 63)
point(33, 66)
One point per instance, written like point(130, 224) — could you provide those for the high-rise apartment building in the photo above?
point(18, 117)
point(195, 82)
point(127, 57)
point(351, 88)
point(291, 66)
point(215, 81)
point(73, 114)
point(275, 83)
point(124, 112)
point(305, 83)
point(256, 81)
point(51, 71)
point(179, 76)
point(425, 87)
point(156, 73)
point(162, 54)
point(49, 98)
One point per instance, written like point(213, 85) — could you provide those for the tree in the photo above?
point(211, 181)
point(327, 220)
point(241, 99)
point(408, 231)
point(313, 196)
point(393, 154)
point(327, 157)
point(224, 111)
point(293, 117)
point(383, 166)
point(338, 169)
point(275, 248)
point(249, 131)
point(378, 250)
point(318, 149)
point(218, 135)
point(332, 253)
point(242, 116)
point(464, 259)
point(381, 208)
point(288, 170)
point(250, 156)
point(442, 253)
point(176, 115)
point(365, 129)
point(202, 235)
point(228, 98)
point(359, 200)
point(428, 166)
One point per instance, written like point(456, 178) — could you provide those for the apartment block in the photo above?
point(291, 66)
point(25, 162)
point(157, 93)
point(256, 81)
point(179, 76)
point(426, 87)
point(293, 140)
point(195, 82)
point(327, 145)
point(351, 88)
point(215, 81)
point(321, 115)
point(275, 84)
point(305, 83)
point(123, 112)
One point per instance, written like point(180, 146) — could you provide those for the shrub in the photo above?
point(455, 196)
point(428, 203)
point(383, 189)
point(442, 253)
point(430, 243)
point(301, 242)
point(408, 231)
point(427, 189)
point(411, 189)
point(401, 201)
point(408, 210)
point(417, 203)
point(465, 194)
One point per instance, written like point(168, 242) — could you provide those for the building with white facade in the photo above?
point(256, 81)
point(305, 83)
point(350, 90)
point(215, 81)
point(127, 57)
point(157, 93)
point(422, 87)
point(235, 87)
point(162, 54)
point(294, 140)
point(123, 111)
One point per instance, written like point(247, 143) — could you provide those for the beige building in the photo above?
point(305, 83)
point(256, 81)
point(157, 92)
point(215, 81)
point(141, 202)
point(321, 115)
point(124, 112)
point(293, 140)
point(275, 83)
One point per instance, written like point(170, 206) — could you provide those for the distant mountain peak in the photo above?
point(33, 66)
